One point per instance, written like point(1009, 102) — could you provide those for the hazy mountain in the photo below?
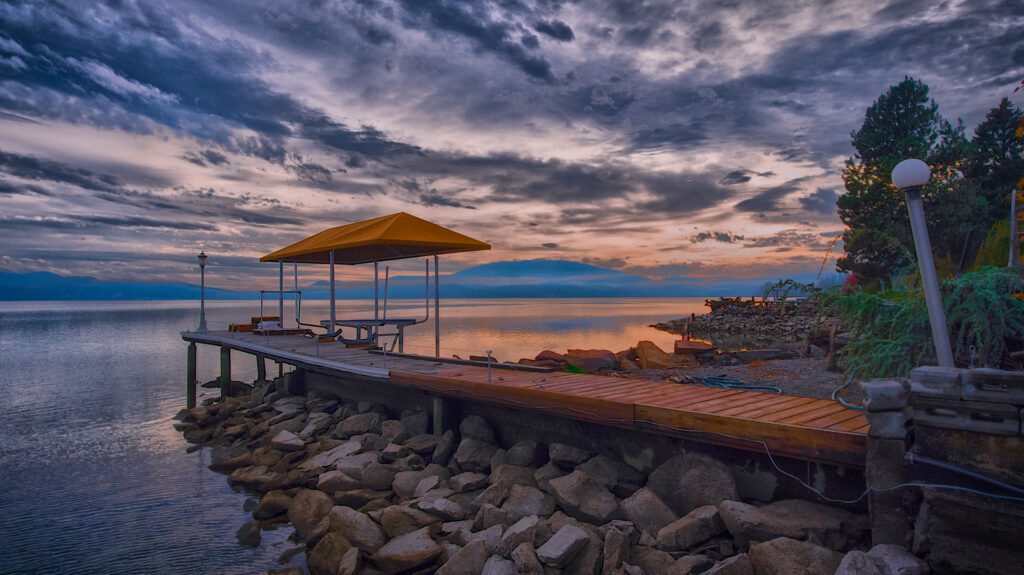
point(507, 279)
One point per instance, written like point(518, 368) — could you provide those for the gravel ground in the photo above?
point(807, 377)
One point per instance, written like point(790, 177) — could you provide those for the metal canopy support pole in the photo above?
point(932, 295)
point(375, 302)
point(333, 317)
point(437, 312)
point(280, 294)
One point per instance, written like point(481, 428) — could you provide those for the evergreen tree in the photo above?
point(903, 123)
point(996, 160)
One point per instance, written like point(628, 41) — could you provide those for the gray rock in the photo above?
point(476, 427)
point(523, 500)
point(785, 556)
point(406, 481)
point(649, 559)
point(407, 552)
point(690, 564)
point(474, 455)
point(522, 531)
point(446, 509)
point(466, 561)
point(394, 431)
point(524, 556)
point(527, 454)
point(497, 566)
point(617, 476)
point(735, 565)
point(358, 498)
point(500, 457)
point(793, 518)
point(444, 449)
point(647, 511)
point(397, 520)
point(513, 474)
point(467, 481)
point(308, 507)
point(331, 481)
point(378, 476)
point(583, 498)
point(857, 563)
point(415, 422)
point(393, 452)
point(358, 424)
point(357, 527)
point(490, 536)
point(615, 550)
point(249, 534)
point(494, 495)
point(272, 504)
point(255, 478)
point(287, 441)
point(332, 456)
point(546, 473)
point(328, 554)
point(423, 443)
point(697, 526)
point(692, 480)
point(489, 515)
point(895, 560)
point(349, 563)
point(426, 484)
point(563, 546)
point(567, 456)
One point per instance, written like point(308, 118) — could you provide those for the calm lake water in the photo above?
point(93, 479)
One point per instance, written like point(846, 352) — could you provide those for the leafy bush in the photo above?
point(890, 333)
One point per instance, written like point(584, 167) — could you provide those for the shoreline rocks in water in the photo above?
point(370, 491)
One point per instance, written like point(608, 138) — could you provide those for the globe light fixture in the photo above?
point(910, 176)
point(202, 291)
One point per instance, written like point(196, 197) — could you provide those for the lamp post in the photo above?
point(202, 291)
point(910, 176)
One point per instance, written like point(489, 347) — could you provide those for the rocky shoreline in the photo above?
point(369, 491)
point(781, 322)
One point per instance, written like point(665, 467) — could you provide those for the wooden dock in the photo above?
point(791, 426)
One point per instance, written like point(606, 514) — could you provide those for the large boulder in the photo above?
point(467, 481)
point(691, 480)
point(882, 560)
point(357, 527)
point(522, 531)
point(615, 550)
point(583, 498)
point(527, 453)
point(649, 559)
point(793, 518)
point(474, 455)
point(333, 455)
point(618, 476)
point(524, 500)
point(328, 553)
point(378, 476)
point(785, 556)
point(590, 360)
point(397, 520)
point(567, 456)
point(287, 441)
point(358, 424)
point(513, 474)
point(331, 481)
point(249, 534)
point(407, 552)
point(255, 478)
point(272, 504)
point(563, 546)
point(735, 565)
point(647, 511)
point(308, 507)
point(406, 481)
point(466, 561)
point(496, 565)
point(653, 357)
point(524, 556)
point(476, 427)
point(697, 526)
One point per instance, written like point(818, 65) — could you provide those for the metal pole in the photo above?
point(437, 312)
point(375, 303)
point(202, 297)
point(940, 333)
point(280, 294)
point(1014, 239)
point(333, 316)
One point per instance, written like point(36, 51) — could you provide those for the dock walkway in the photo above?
point(792, 426)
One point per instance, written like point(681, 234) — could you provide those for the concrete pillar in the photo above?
point(261, 367)
point(885, 465)
point(190, 376)
point(225, 371)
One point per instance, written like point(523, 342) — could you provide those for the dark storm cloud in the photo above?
point(724, 237)
point(211, 157)
point(674, 136)
point(555, 29)
point(97, 223)
point(786, 239)
point(768, 199)
point(549, 245)
point(13, 189)
point(742, 176)
point(473, 22)
point(32, 168)
point(310, 172)
point(823, 201)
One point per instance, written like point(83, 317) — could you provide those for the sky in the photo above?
point(663, 138)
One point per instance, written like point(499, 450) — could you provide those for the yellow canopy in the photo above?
point(393, 237)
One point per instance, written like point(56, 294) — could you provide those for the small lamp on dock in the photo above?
point(910, 176)
point(202, 291)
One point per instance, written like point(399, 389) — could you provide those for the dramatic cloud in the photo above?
point(613, 132)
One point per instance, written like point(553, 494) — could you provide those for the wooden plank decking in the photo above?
point(801, 427)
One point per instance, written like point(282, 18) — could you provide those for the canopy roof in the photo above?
point(393, 237)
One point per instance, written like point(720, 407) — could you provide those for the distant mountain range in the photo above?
point(508, 279)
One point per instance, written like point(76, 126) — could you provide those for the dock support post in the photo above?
point(261, 367)
point(190, 376)
point(445, 414)
point(885, 464)
point(225, 371)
